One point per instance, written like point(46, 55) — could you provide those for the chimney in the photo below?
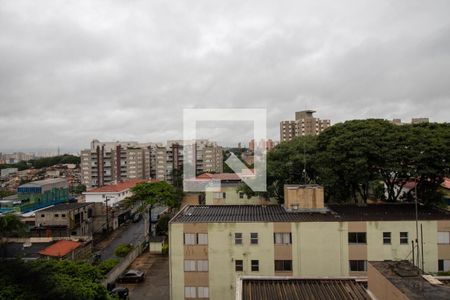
point(308, 196)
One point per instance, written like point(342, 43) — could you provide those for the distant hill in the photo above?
point(44, 162)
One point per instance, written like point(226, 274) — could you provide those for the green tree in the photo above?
point(290, 162)
point(348, 158)
point(162, 226)
point(10, 225)
point(149, 194)
point(50, 279)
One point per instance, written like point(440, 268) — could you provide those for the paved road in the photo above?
point(131, 234)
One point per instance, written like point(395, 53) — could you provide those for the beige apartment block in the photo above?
point(229, 193)
point(111, 162)
point(212, 246)
point(304, 124)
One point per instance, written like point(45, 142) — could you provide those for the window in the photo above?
point(203, 292)
point(358, 265)
point(281, 238)
point(203, 239)
point(283, 265)
point(190, 292)
point(42, 216)
point(357, 238)
point(63, 215)
point(190, 239)
point(224, 195)
point(253, 238)
point(444, 265)
point(238, 238)
point(403, 238)
point(241, 195)
point(56, 215)
point(443, 237)
point(386, 238)
point(202, 265)
point(189, 266)
point(255, 265)
point(238, 265)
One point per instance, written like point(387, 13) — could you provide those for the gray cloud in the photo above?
point(72, 71)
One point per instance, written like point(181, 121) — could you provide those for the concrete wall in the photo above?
point(319, 249)
point(395, 251)
point(176, 261)
point(223, 253)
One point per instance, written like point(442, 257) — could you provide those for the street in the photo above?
point(129, 233)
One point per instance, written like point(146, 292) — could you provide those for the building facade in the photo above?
point(42, 193)
point(111, 162)
point(65, 220)
point(304, 124)
point(211, 246)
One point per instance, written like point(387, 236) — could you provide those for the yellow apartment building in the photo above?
point(211, 246)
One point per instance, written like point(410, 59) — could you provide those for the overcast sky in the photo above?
point(72, 71)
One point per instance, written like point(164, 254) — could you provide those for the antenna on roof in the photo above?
point(304, 161)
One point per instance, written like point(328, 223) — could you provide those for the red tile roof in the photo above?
point(119, 187)
point(60, 248)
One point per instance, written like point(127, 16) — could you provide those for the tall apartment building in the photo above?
point(112, 162)
point(304, 124)
point(413, 121)
point(212, 246)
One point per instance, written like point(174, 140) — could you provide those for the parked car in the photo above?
point(120, 292)
point(132, 276)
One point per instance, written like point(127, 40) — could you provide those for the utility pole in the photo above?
point(107, 214)
point(417, 223)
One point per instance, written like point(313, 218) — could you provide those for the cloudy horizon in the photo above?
point(73, 71)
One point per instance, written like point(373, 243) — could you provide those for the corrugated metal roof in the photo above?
point(66, 206)
point(299, 289)
point(43, 182)
point(276, 213)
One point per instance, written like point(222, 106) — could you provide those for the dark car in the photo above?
point(120, 292)
point(132, 276)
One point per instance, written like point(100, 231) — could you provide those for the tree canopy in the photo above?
point(350, 160)
point(10, 225)
point(50, 279)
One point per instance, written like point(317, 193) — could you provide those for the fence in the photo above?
point(118, 269)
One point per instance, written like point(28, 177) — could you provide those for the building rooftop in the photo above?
point(408, 279)
point(15, 250)
point(335, 213)
point(387, 212)
point(119, 187)
point(273, 288)
point(44, 182)
point(60, 248)
point(65, 206)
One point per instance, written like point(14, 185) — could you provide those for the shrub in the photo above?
point(107, 265)
point(165, 249)
point(122, 250)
